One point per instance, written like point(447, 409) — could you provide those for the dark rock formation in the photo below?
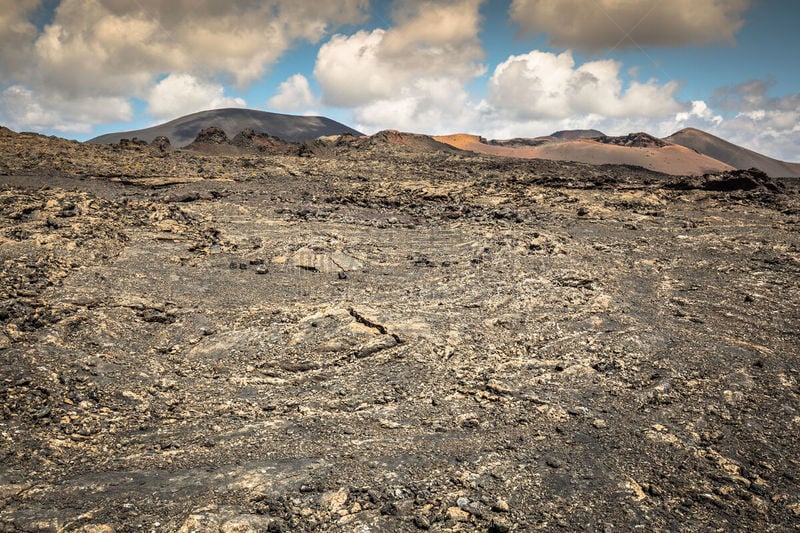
point(263, 143)
point(736, 180)
point(741, 180)
point(161, 144)
point(212, 135)
point(636, 140)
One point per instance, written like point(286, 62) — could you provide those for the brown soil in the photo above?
point(667, 158)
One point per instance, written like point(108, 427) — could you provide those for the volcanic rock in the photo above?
point(212, 135)
point(442, 339)
point(251, 141)
point(161, 144)
point(637, 140)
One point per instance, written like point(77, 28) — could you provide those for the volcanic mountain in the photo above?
point(734, 155)
point(183, 130)
point(638, 149)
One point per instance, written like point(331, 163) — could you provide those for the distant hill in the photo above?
point(638, 149)
point(734, 155)
point(183, 130)
point(558, 136)
point(577, 134)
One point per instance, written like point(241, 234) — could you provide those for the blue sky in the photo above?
point(508, 68)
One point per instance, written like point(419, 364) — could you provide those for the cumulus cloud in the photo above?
point(16, 36)
point(119, 49)
point(699, 110)
point(745, 96)
point(767, 124)
point(22, 108)
point(541, 85)
point(603, 24)
point(181, 94)
point(429, 105)
point(294, 95)
point(117, 44)
point(381, 73)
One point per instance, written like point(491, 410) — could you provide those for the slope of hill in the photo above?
point(636, 149)
point(183, 130)
point(732, 154)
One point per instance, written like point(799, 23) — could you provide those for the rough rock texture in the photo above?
point(383, 340)
point(265, 144)
point(735, 180)
point(211, 135)
point(636, 140)
point(162, 144)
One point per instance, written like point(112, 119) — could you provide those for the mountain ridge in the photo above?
point(182, 131)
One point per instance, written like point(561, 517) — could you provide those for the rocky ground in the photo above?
point(380, 337)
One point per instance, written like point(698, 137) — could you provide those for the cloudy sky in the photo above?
point(499, 68)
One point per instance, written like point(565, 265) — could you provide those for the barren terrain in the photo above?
point(668, 158)
point(392, 339)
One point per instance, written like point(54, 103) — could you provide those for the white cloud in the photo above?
point(429, 105)
point(604, 24)
point(350, 71)
point(775, 132)
point(294, 95)
point(132, 42)
point(699, 110)
point(22, 108)
point(542, 85)
point(181, 94)
point(411, 73)
point(756, 120)
point(117, 49)
point(16, 36)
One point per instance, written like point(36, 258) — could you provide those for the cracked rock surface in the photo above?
point(390, 340)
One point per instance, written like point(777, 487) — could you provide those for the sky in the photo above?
point(500, 69)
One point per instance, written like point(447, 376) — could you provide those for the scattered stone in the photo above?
point(334, 501)
point(457, 514)
point(422, 522)
point(553, 462)
point(390, 509)
point(498, 525)
point(182, 197)
point(500, 506)
point(96, 528)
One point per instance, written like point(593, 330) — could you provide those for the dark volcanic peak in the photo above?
point(183, 130)
point(634, 140)
point(577, 134)
point(732, 154)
